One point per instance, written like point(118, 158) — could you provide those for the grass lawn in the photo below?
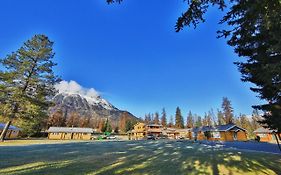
point(142, 157)
point(23, 142)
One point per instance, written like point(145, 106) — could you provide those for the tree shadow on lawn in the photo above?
point(141, 157)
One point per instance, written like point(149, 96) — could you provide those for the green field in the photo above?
point(142, 157)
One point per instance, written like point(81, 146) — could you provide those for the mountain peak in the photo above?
point(73, 98)
point(91, 100)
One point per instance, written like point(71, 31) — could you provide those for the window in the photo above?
point(262, 135)
point(216, 135)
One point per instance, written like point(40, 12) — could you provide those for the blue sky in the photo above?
point(131, 54)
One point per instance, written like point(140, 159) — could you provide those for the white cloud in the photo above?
point(73, 87)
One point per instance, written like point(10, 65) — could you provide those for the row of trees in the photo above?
point(211, 118)
point(58, 119)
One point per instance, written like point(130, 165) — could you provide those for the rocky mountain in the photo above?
point(87, 106)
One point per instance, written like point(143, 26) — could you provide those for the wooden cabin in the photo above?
point(266, 135)
point(138, 132)
point(229, 132)
point(141, 130)
point(69, 133)
point(13, 131)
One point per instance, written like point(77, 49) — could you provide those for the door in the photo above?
point(235, 136)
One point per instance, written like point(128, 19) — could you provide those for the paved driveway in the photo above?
point(253, 146)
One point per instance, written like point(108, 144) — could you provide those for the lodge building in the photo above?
point(69, 133)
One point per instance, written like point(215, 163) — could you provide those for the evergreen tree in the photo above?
point(171, 122)
point(149, 118)
point(227, 110)
point(207, 121)
point(179, 119)
point(204, 120)
point(152, 118)
point(198, 122)
point(156, 118)
point(164, 118)
point(189, 120)
point(220, 118)
point(146, 119)
point(27, 82)
point(130, 125)
point(254, 31)
point(107, 126)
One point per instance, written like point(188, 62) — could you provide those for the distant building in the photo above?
point(139, 132)
point(183, 134)
point(142, 130)
point(266, 135)
point(69, 133)
point(229, 132)
point(13, 131)
point(154, 129)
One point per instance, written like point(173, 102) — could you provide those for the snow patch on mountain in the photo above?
point(92, 96)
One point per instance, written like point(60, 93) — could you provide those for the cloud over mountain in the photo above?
point(72, 87)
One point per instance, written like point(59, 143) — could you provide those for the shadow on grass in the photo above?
point(140, 157)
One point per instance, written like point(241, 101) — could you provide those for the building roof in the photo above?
point(2, 125)
point(154, 125)
point(263, 130)
point(182, 130)
point(70, 130)
point(227, 127)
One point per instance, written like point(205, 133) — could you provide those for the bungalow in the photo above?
point(229, 132)
point(266, 135)
point(69, 133)
point(13, 132)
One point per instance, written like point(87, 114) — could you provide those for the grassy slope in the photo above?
point(149, 157)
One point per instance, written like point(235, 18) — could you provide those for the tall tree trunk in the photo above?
point(277, 140)
point(6, 128)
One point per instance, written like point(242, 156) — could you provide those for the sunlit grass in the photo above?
point(23, 142)
point(138, 158)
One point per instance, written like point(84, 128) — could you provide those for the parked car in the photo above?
point(150, 137)
point(180, 137)
point(111, 137)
